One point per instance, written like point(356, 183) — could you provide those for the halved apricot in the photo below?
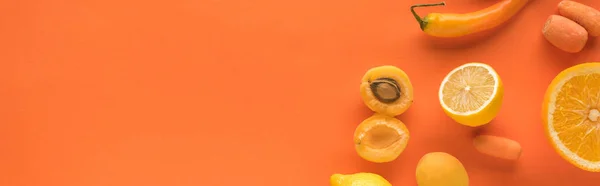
point(380, 138)
point(386, 90)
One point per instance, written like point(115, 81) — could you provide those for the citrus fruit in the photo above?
point(440, 168)
point(471, 94)
point(358, 179)
point(571, 115)
point(380, 138)
point(386, 90)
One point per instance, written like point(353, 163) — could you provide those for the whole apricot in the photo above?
point(440, 168)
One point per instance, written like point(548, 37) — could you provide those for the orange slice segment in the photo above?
point(571, 114)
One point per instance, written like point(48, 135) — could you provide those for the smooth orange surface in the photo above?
point(254, 92)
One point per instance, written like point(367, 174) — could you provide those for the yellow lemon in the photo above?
point(471, 94)
point(358, 179)
point(571, 115)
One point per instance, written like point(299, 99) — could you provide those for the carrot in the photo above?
point(565, 34)
point(498, 147)
point(586, 16)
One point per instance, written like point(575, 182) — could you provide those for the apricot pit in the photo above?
point(380, 138)
point(386, 90)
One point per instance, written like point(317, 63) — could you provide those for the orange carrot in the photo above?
point(498, 147)
point(586, 16)
point(565, 34)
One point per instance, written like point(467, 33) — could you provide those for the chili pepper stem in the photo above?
point(422, 22)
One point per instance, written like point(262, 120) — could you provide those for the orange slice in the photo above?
point(571, 114)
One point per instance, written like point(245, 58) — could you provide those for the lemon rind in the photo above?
point(490, 70)
point(564, 150)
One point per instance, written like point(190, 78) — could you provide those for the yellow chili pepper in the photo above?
point(456, 25)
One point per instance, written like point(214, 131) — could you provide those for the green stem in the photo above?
point(422, 22)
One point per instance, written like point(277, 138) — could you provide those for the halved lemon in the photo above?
point(571, 115)
point(471, 94)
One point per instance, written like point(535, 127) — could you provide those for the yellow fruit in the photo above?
point(358, 179)
point(380, 138)
point(441, 169)
point(471, 94)
point(386, 90)
point(571, 115)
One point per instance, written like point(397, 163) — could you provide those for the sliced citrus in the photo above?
point(471, 94)
point(380, 138)
point(571, 115)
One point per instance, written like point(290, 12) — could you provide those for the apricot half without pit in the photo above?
point(380, 138)
point(386, 90)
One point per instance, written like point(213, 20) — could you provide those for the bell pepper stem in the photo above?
point(422, 22)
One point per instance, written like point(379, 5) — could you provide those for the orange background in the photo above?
point(253, 92)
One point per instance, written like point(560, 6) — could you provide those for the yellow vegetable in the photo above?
point(456, 25)
point(441, 169)
point(358, 179)
point(571, 115)
point(471, 94)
